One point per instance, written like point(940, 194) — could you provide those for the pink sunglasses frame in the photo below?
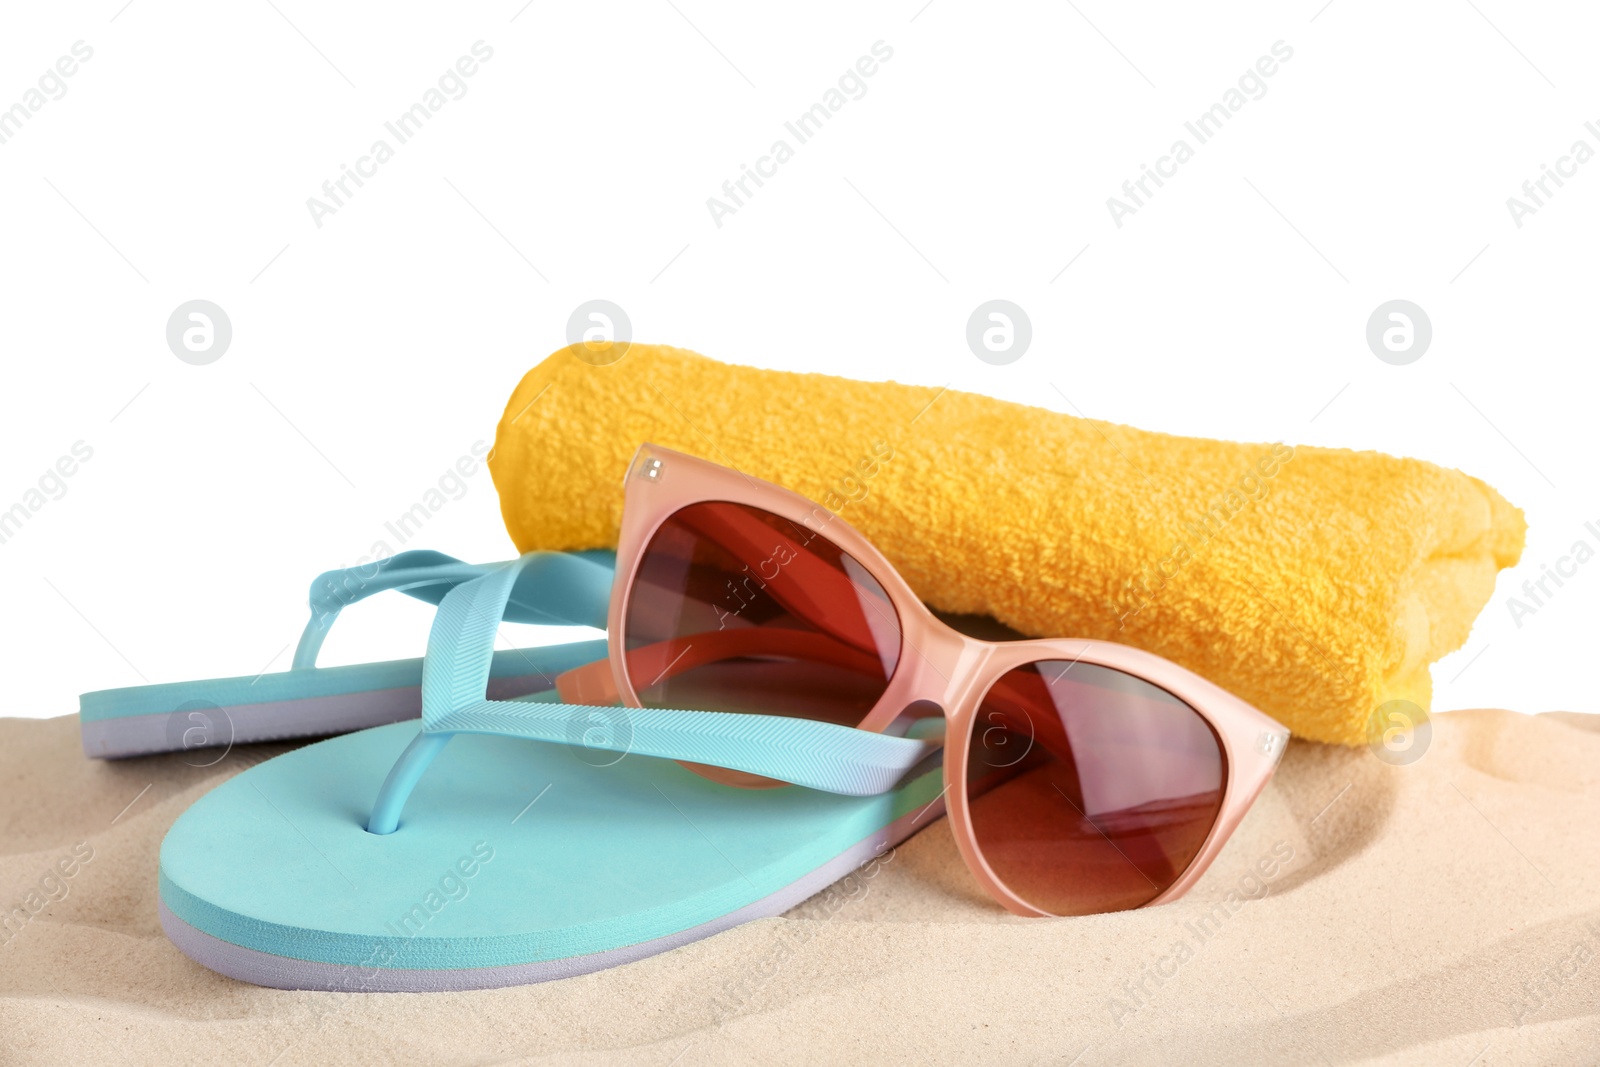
point(936, 663)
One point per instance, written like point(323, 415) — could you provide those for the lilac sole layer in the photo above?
point(281, 720)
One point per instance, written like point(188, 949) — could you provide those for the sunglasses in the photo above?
point(1080, 776)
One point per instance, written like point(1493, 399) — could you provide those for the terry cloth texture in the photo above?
point(1318, 584)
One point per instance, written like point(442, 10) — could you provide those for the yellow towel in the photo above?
point(1315, 583)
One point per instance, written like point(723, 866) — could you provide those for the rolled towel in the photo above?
point(1318, 584)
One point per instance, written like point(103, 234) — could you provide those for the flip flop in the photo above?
point(312, 701)
point(516, 841)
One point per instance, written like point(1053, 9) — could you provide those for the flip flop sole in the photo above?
point(180, 716)
point(284, 972)
point(516, 862)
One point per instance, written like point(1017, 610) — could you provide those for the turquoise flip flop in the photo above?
point(516, 841)
point(312, 701)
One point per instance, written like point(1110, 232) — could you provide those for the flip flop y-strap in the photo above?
point(568, 593)
point(305, 701)
point(818, 755)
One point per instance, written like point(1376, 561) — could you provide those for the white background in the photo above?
point(370, 354)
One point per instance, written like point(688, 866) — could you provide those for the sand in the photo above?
point(1429, 913)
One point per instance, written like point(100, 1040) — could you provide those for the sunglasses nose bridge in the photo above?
point(941, 663)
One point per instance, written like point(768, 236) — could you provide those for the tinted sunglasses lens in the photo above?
point(734, 608)
point(1090, 790)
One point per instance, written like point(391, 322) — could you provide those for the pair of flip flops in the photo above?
point(512, 838)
